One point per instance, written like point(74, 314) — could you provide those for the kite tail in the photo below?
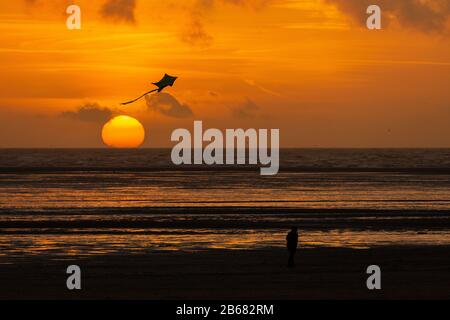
point(132, 101)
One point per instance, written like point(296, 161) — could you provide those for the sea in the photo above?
point(63, 203)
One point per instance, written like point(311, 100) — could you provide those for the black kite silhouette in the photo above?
point(166, 81)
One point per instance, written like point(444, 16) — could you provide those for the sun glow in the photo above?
point(123, 132)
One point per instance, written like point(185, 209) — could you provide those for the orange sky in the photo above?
point(308, 67)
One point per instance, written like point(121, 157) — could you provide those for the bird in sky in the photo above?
point(166, 81)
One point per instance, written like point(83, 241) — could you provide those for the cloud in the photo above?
point(423, 15)
point(261, 88)
point(246, 110)
point(195, 32)
point(168, 105)
point(91, 112)
point(119, 10)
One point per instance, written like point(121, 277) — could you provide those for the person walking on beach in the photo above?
point(292, 242)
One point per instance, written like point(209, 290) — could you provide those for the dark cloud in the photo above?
point(91, 112)
point(246, 110)
point(168, 105)
point(195, 32)
point(113, 10)
point(119, 10)
point(427, 16)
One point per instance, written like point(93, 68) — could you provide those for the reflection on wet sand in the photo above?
point(95, 202)
point(97, 242)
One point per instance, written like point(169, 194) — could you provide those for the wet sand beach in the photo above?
point(321, 273)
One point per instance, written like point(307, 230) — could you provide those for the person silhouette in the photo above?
point(291, 243)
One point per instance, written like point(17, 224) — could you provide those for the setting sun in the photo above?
point(123, 132)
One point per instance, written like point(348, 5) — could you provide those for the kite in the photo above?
point(166, 81)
